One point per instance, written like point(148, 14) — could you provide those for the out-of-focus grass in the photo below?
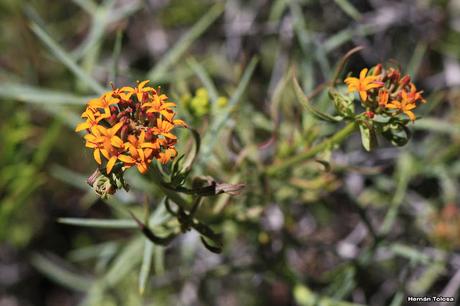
point(294, 238)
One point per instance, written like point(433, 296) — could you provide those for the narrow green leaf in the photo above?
point(124, 262)
point(205, 79)
point(88, 5)
point(416, 60)
point(349, 9)
point(210, 139)
point(403, 174)
point(69, 176)
point(146, 265)
point(344, 36)
point(66, 59)
point(192, 157)
point(103, 223)
point(67, 116)
point(31, 94)
point(60, 275)
point(185, 42)
point(116, 56)
point(47, 143)
point(91, 251)
point(159, 257)
point(306, 103)
point(438, 126)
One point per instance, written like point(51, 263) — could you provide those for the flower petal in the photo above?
point(111, 163)
point(127, 159)
point(97, 156)
point(362, 74)
point(82, 126)
point(116, 142)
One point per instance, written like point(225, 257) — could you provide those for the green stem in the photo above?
point(335, 139)
point(173, 195)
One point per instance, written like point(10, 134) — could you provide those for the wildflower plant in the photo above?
point(386, 103)
point(134, 127)
point(129, 127)
point(320, 221)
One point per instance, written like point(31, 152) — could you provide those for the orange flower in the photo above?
point(140, 152)
point(405, 105)
point(104, 102)
point(414, 95)
point(111, 143)
point(363, 84)
point(158, 105)
point(164, 128)
point(92, 119)
point(167, 155)
point(92, 142)
point(137, 157)
point(139, 91)
point(383, 97)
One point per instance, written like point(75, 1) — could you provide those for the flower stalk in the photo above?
point(327, 143)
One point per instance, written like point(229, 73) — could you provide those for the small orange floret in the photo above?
point(363, 84)
point(405, 105)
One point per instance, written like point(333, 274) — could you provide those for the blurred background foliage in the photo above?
point(370, 230)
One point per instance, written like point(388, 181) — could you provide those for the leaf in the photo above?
point(148, 233)
point(103, 223)
point(146, 265)
point(211, 245)
point(59, 274)
point(342, 37)
point(92, 251)
point(306, 103)
point(397, 133)
point(416, 60)
point(116, 56)
point(124, 262)
point(344, 104)
point(349, 9)
point(438, 126)
point(368, 136)
point(66, 59)
point(192, 157)
point(31, 94)
point(205, 79)
point(410, 253)
point(210, 139)
point(185, 42)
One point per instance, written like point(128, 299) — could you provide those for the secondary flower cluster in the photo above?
point(130, 126)
point(385, 91)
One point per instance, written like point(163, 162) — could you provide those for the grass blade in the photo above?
point(185, 42)
point(124, 262)
point(210, 138)
point(66, 59)
point(31, 94)
point(59, 274)
point(349, 9)
point(146, 265)
point(204, 77)
point(103, 223)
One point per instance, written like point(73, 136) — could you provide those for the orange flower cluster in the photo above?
point(386, 91)
point(130, 126)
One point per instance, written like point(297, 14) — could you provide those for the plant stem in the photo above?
point(173, 195)
point(335, 139)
